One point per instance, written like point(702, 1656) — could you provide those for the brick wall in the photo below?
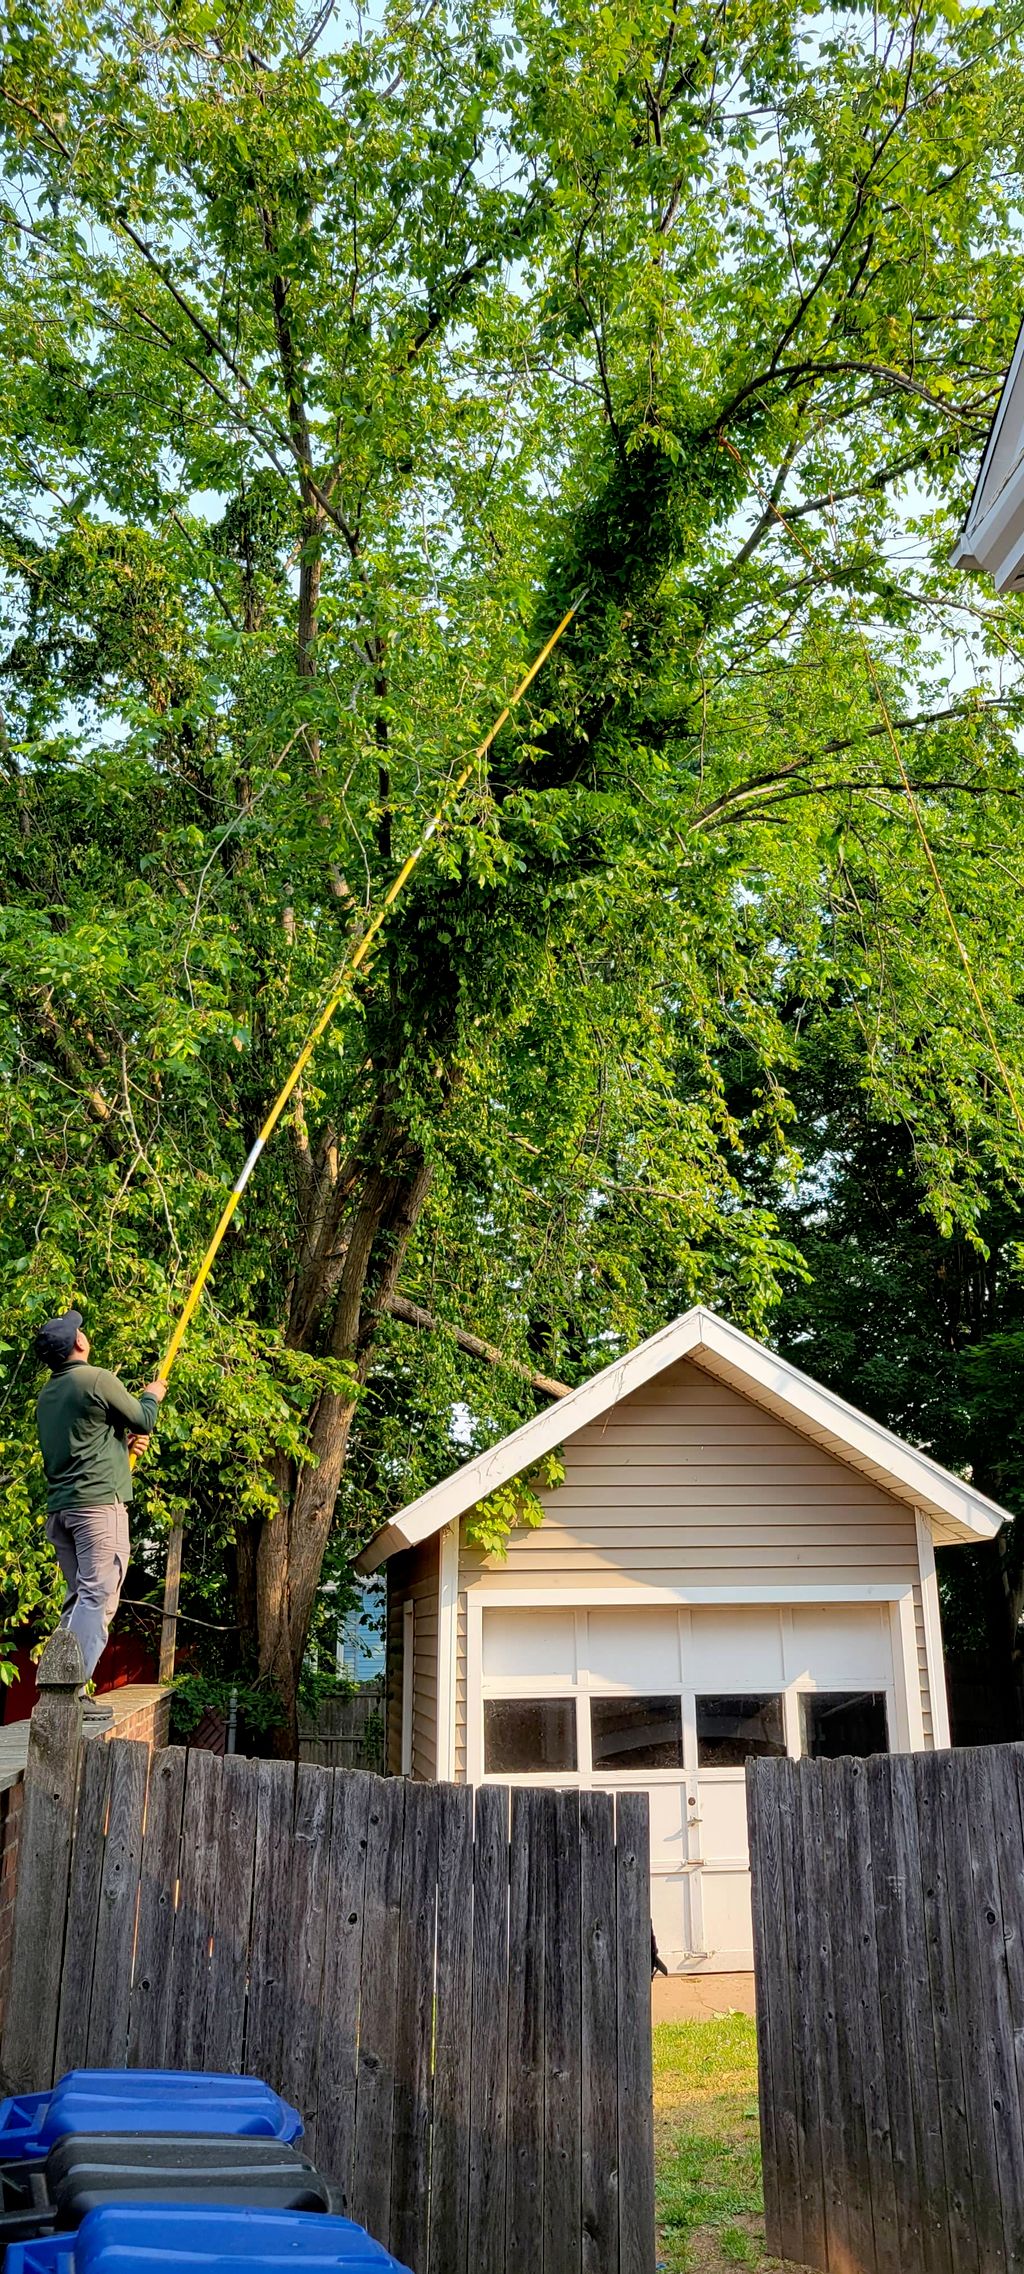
point(150, 1724)
point(10, 1824)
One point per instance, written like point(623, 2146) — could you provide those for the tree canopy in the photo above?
point(338, 355)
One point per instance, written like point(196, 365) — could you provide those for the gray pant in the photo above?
point(92, 1548)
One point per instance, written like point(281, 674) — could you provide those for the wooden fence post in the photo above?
point(44, 1860)
point(172, 1589)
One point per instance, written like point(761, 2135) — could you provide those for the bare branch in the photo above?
point(411, 1314)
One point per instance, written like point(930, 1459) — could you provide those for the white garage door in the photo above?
point(674, 1702)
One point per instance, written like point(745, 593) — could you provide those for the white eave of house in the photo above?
point(992, 538)
point(956, 1513)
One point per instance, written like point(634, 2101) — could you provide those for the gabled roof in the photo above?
point(992, 537)
point(955, 1511)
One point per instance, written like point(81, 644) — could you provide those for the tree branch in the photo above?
point(861, 186)
point(62, 1052)
point(793, 375)
point(596, 337)
point(769, 516)
point(440, 314)
point(772, 515)
point(411, 1314)
point(755, 783)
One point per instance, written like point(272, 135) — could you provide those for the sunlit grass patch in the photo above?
point(710, 2209)
point(695, 2060)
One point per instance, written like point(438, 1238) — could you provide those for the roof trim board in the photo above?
point(992, 538)
point(956, 1513)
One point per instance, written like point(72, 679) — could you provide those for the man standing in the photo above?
point(88, 1424)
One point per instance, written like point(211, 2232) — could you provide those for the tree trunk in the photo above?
point(383, 1210)
point(310, 572)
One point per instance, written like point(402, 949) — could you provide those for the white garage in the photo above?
point(736, 1564)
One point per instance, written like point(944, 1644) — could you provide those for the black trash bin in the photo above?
point(85, 2171)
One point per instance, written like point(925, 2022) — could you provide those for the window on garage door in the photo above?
point(636, 1733)
point(529, 1734)
point(834, 1722)
point(732, 1730)
point(595, 1693)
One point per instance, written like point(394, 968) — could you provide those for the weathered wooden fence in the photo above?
point(454, 1991)
point(346, 1733)
point(889, 1948)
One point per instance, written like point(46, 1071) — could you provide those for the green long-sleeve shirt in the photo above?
point(84, 1416)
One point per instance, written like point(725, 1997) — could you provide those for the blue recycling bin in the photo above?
point(142, 2100)
point(165, 2240)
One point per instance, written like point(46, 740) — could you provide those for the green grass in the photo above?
point(710, 2215)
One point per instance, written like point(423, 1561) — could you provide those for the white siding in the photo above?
point(460, 1690)
point(414, 1577)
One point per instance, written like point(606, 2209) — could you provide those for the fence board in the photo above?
point(774, 1980)
point(482, 2099)
point(303, 1933)
point(763, 1943)
point(636, 2112)
point(527, 1921)
point(449, 2167)
point(229, 1964)
point(378, 2027)
point(83, 1908)
point(411, 2117)
point(268, 2014)
point(150, 2000)
point(119, 1894)
point(1005, 1771)
point(930, 2210)
point(849, 2227)
point(332, 2140)
point(905, 2095)
point(563, 2106)
point(997, 2160)
point(31, 2021)
point(865, 2008)
point(893, 1959)
point(821, 1989)
point(958, 2183)
point(488, 2128)
point(195, 1915)
point(801, 1963)
point(939, 1796)
point(598, 2034)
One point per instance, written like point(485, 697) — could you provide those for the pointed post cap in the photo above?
point(62, 1666)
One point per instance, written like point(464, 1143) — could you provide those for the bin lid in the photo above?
point(142, 2100)
point(124, 2239)
point(87, 2170)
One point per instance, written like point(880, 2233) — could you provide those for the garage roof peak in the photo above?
point(956, 1512)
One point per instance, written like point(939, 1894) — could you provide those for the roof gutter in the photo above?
point(383, 1544)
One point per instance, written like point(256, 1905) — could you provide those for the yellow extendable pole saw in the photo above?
point(339, 989)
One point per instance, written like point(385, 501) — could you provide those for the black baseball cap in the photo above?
point(56, 1340)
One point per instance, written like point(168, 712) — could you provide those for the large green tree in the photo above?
point(335, 360)
point(923, 1329)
